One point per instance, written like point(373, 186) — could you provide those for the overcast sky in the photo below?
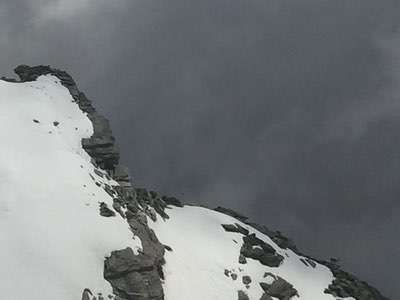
point(285, 110)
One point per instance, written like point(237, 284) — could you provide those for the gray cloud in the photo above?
point(285, 110)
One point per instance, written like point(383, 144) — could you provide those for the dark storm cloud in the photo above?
point(285, 110)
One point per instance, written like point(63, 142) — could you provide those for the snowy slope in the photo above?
point(53, 240)
point(202, 250)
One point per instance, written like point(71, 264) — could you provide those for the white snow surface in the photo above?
point(202, 250)
point(53, 240)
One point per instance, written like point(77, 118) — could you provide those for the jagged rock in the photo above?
point(265, 286)
point(121, 175)
point(8, 79)
point(266, 297)
point(234, 276)
point(56, 123)
point(133, 276)
point(311, 262)
point(172, 201)
point(235, 228)
point(105, 211)
point(257, 249)
point(230, 227)
point(231, 213)
point(347, 285)
point(281, 289)
point(242, 296)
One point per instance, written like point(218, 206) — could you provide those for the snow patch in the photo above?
point(53, 239)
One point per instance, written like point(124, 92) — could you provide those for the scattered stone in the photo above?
point(56, 123)
point(234, 276)
point(227, 272)
point(246, 280)
point(281, 289)
point(347, 285)
point(265, 286)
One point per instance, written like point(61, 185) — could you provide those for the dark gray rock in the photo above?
point(265, 286)
point(105, 211)
point(347, 285)
point(172, 201)
point(235, 228)
point(246, 280)
point(230, 227)
point(281, 289)
point(242, 259)
point(265, 296)
point(231, 213)
point(242, 296)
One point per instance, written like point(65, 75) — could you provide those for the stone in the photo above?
point(105, 211)
point(257, 249)
point(246, 280)
point(231, 213)
point(242, 296)
point(265, 296)
point(265, 286)
point(282, 289)
point(172, 201)
point(242, 259)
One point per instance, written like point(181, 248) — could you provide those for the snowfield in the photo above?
point(53, 240)
point(202, 250)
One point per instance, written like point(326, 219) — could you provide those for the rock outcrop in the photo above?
point(131, 276)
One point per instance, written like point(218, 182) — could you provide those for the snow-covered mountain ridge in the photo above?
point(75, 227)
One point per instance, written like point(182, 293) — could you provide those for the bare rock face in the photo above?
point(133, 276)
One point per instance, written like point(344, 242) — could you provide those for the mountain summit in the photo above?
point(75, 227)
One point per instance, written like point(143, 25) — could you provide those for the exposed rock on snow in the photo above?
point(101, 147)
point(257, 249)
point(213, 255)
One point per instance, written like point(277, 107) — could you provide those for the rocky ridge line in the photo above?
point(344, 284)
point(132, 277)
